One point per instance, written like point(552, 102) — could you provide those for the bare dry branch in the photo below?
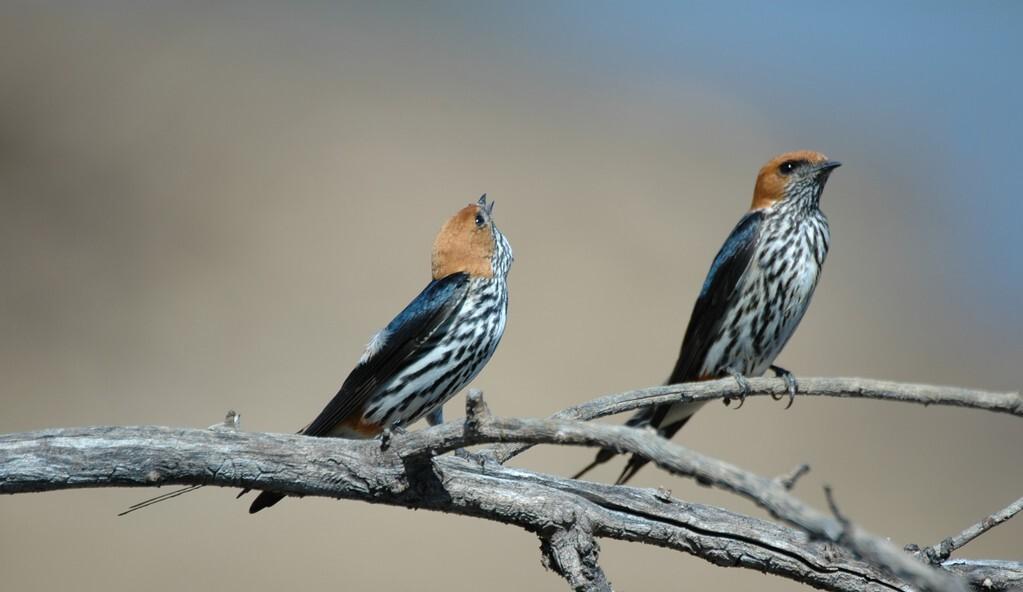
point(359, 470)
point(986, 574)
point(567, 515)
point(942, 551)
point(769, 494)
point(788, 480)
point(882, 552)
point(726, 388)
point(571, 551)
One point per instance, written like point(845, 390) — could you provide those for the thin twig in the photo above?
point(884, 553)
point(940, 552)
point(788, 480)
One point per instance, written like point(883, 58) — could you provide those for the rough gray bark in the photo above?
point(569, 549)
point(726, 388)
point(822, 551)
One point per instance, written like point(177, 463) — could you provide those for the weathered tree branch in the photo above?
point(988, 574)
point(940, 552)
point(569, 549)
point(726, 388)
point(770, 494)
point(566, 514)
point(360, 470)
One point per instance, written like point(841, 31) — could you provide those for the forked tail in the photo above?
point(264, 500)
point(635, 462)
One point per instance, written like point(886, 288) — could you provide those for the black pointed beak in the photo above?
point(828, 165)
point(487, 207)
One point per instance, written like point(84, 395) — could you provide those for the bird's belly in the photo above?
point(414, 393)
point(450, 363)
point(752, 337)
point(791, 307)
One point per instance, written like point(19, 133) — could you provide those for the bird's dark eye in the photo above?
point(788, 167)
point(480, 220)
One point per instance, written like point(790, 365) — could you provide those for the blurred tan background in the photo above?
point(212, 207)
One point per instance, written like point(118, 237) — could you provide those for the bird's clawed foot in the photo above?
point(390, 432)
point(436, 417)
point(790, 382)
point(744, 387)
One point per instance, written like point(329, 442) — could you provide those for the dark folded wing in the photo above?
point(719, 289)
point(403, 336)
point(717, 294)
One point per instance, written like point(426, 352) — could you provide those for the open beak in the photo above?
point(488, 207)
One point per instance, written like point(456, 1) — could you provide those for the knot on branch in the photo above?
point(939, 553)
point(232, 421)
point(570, 550)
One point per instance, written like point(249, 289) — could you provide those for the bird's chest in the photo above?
point(447, 361)
point(784, 273)
point(772, 298)
point(481, 319)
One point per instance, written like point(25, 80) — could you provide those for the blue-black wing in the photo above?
point(719, 289)
point(433, 308)
point(718, 293)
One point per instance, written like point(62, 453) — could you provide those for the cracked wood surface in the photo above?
point(568, 516)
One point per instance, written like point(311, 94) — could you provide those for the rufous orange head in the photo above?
point(469, 242)
point(793, 175)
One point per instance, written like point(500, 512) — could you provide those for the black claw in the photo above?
point(744, 388)
point(790, 382)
